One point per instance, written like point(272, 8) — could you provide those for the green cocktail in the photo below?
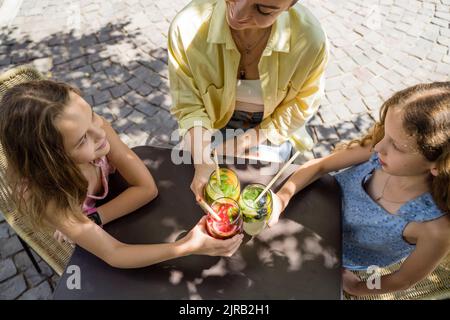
point(228, 187)
point(255, 214)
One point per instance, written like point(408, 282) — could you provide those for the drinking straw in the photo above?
point(210, 210)
point(277, 175)
point(216, 161)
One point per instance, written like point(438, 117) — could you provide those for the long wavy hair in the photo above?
point(426, 116)
point(40, 172)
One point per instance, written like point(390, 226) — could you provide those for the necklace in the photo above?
point(247, 50)
point(97, 170)
point(382, 194)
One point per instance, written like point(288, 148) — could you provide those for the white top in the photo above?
point(249, 97)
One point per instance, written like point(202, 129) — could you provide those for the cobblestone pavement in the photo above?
point(115, 51)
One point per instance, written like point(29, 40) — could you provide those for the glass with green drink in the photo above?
point(227, 187)
point(256, 214)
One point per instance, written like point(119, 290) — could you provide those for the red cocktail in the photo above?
point(230, 222)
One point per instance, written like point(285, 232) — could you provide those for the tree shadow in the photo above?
point(327, 136)
point(282, 262)
point(120, 73)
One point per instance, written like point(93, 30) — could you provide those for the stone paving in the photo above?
point(115, 52)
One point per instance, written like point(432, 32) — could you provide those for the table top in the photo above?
point(298, 258)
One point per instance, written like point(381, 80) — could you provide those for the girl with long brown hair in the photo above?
point(60, 153)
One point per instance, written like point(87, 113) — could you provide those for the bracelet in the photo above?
point(94, 216)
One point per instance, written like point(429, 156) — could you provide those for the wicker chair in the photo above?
point(435, 286)
point(51, 251)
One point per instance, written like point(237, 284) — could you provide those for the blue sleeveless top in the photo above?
point(372, 235)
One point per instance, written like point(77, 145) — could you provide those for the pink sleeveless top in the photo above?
point(105, 170)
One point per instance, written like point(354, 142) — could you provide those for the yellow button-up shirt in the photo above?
point(204, 62)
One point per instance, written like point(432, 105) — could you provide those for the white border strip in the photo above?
point(8, 11)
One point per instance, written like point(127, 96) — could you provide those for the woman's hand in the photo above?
point(201, 176)
point(351, 283)
point(277, 209)
point(62, 238)
point(200, 242)
point(241, 145)
point(280, 201)
point(251, 139)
